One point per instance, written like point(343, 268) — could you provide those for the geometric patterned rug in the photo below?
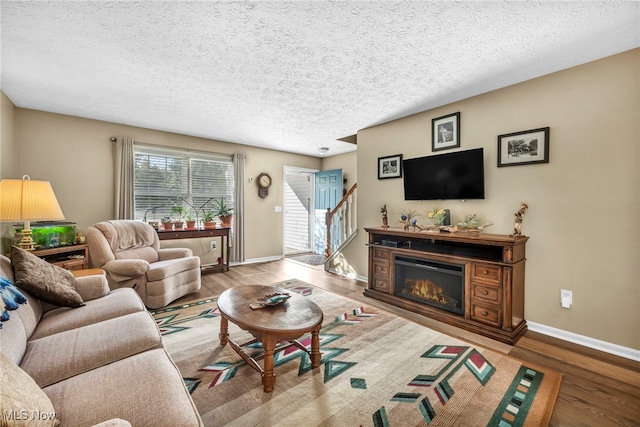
point(376, 370)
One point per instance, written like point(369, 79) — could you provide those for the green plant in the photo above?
point(190, 216)
point(165, 219)
point(179, 212)
point(208, 215)
point(221, 208)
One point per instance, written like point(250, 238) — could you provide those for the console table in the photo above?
point(222, 232)
point(492, 273)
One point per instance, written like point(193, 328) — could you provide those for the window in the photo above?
point(165, 178)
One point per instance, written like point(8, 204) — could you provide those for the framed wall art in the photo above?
point(445, 132)
point(523, 148)
point(390, 166)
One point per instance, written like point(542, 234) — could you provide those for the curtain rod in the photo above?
point(165, 147)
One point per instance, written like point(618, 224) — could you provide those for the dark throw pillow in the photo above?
point(44, 281)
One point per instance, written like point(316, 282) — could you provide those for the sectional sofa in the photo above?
point(101, 362)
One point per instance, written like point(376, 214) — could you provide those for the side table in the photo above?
point(74, 257)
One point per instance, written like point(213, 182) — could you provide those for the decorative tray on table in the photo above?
point(270, 300)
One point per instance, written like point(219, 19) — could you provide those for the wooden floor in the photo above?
point(597, 389)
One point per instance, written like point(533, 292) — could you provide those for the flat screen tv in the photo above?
point(457, 175)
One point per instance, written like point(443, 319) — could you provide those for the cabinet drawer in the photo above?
point(488, 273)
point(486, 293)
point(381, 268)
point(72, 264)
point(484, 314)
point(381, 255)
point(380, 284)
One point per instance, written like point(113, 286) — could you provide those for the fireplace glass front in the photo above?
point(437, 284)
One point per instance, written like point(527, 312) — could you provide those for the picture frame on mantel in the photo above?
point(526, 147)
point(445, 132)
point(390, 167)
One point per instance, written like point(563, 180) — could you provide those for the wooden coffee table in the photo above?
point(270, 325)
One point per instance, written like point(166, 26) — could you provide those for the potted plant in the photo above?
point(179, 212)
point(167, 224)
point(207, 218)
point(224, 212)
point(191, 221)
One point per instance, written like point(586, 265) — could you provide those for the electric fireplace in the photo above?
point(437, 284)
point(474, 281)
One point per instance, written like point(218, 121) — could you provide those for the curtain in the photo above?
point(237, 238)
point(123, 178)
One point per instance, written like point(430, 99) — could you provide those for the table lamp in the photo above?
point(27, 200)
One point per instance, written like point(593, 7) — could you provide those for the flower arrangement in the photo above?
point(437, 216)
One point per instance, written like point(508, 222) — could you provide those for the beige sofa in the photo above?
point(102, 363)
point(129, 251)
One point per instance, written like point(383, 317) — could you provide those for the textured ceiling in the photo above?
point(292, 76)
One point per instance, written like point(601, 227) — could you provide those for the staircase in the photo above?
point(342, 224)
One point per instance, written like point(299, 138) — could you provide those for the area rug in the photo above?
point(376, 370)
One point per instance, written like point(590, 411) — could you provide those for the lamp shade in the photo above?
point(27, 200)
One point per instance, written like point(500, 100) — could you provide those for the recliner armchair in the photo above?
point(129, 252)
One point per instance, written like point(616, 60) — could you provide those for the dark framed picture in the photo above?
point(445, 132)
point(390, 166)
point(523, 148)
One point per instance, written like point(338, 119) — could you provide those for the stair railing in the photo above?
point(342, 221)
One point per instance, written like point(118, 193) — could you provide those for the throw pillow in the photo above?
point(11, 298)
point(23, 403)
point(44, 281)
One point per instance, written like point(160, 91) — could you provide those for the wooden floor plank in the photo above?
point(584, 362)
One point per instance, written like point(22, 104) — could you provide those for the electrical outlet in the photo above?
point(566, 298)
point(213, 245)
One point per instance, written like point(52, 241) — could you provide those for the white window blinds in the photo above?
point(166, 178)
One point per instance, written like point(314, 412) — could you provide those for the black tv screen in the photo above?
point(458, 175)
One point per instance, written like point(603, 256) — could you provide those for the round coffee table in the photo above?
point(269, 325)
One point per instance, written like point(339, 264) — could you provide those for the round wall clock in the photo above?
point(264, 182)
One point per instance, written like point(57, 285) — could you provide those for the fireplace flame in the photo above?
point(425, 289)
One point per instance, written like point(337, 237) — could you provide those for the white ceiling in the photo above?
point(291, 76)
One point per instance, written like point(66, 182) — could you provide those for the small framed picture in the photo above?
point(523, 148)
point(445, 132)
point(390, 166)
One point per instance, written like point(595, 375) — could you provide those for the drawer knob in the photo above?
point(485, 293)
point(485, 272)
point(484, 313)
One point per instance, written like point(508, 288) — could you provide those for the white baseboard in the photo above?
point(257, 260)
point(607, 347)
point(350, 276)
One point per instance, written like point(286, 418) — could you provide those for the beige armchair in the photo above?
point(129, 252)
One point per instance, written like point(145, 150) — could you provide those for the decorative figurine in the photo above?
point(80, 238)
point(519, 216)
point(385, 219)
point(409, 219)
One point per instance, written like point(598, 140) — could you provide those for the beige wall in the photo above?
point(8, 144)
point(584, 206)
point(74, 154)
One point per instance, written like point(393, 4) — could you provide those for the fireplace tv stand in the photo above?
point(493, 276)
